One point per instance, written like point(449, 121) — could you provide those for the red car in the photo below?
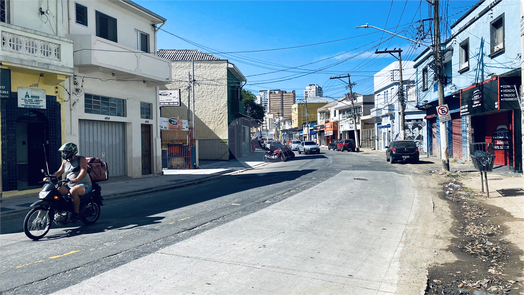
point(346, 145)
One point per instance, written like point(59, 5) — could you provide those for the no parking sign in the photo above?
point(443, 113)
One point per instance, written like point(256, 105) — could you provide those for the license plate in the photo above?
point(405, 157)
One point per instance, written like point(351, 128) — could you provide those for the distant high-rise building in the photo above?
point(263, 99)
point(280, 102)
point(313, 90)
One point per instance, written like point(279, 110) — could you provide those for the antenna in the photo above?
point(45, 157)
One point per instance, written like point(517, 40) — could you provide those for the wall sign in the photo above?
point(5, 83)
point(31, 98)
point(169, 98)
point(499, 93)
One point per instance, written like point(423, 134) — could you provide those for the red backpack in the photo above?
point(97, 169)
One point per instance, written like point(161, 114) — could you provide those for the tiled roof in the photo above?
point(185, 55)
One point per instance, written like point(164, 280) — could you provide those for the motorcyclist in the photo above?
point(75, 168)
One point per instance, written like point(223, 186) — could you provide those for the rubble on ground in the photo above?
point(485, 258)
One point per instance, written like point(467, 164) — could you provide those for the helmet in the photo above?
point(68, 150)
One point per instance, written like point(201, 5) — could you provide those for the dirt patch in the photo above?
point(486, 262)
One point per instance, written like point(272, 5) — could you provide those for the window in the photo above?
point(81, 14)
point(425, 79)
point(145, 110)
point(100, 105)
point(3, 11)
point(106, 27)
point(142, 41)
point(464, 56)
point(497, 35)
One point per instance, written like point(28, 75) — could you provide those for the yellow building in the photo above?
point(304, 112)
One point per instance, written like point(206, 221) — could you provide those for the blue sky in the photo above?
point(290, 44)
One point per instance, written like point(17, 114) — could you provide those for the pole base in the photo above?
point(445, 165)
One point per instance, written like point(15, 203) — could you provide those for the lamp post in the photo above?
point(438, 71)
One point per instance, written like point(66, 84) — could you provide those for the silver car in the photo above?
point(308, 147)
point(294, 145)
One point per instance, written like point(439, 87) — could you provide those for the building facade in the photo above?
point(482, 95)
point(218, 122)
point(36, 60)
point(112, 108)
point(387, 108)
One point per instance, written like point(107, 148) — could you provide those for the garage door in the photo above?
point(105, 140)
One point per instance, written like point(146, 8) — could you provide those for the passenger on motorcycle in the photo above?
point(75, 168)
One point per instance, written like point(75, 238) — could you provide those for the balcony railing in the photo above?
point(94, 52)
point(29, 48)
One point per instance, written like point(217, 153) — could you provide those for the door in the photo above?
point(146, 149)
point(31, 132)
point(105, 140)
point(456, 134)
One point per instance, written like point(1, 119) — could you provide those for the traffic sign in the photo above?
point(443, 113)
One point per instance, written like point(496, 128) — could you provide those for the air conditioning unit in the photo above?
point(498, 47)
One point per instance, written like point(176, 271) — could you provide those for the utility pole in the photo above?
point(401, 97)
point(307, 120)
point(352, 98)
point(444, 155)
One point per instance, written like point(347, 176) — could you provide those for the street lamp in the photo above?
point(436, 52)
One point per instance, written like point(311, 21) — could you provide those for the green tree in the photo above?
point(253, 109)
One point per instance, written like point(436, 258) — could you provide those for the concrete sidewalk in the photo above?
point(18, 202)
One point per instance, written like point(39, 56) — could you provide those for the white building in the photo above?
point(386, 112)
point(263, 99)
point(313, 90)
point(112, 111)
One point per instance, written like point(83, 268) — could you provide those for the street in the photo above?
point(334, 223)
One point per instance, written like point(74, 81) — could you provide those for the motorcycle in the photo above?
point(53, 207)
point(280, 154)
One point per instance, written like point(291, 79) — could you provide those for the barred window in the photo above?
point(145, 110)
point(101, 105)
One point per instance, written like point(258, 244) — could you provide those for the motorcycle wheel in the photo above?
point(91, 214)
point(283, 158)
point(37, 223)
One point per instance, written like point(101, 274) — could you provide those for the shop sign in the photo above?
point(31, 98)
point(5, 83)
point(328, 133)
point(494, 94)
point(169, 98)
point(177, 124)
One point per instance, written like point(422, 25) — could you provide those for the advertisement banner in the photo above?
point(31, 98)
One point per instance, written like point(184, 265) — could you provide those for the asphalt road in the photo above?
point(350, 207)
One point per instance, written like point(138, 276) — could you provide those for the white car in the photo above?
point(294, 145)
point(308, 147)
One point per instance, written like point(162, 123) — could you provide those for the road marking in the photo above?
point(49, 258)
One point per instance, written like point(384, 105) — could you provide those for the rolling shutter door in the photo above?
point(456, 130)
point(105, 140)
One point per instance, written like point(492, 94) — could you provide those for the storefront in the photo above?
point(496, 117)
point(330, 132)
point(31, 128)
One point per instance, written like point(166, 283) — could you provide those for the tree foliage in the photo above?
point(253, 109)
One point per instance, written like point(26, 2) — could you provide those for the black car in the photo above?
point(333, 145)
point(402, 150)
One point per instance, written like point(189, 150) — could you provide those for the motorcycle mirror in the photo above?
point(42, 171)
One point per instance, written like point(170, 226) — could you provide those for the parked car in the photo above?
point(346, 145)
point(402, 150)
point(308, 147)
point(333, 145)
point(274, 145)
point(267, 143)
point(294, 144)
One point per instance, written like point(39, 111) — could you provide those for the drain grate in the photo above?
point(511, 192)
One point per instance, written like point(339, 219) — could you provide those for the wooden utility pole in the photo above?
point(401, 97)
point(352, 98)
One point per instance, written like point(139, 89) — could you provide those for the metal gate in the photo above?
point(456, 135)
point(105, 140)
